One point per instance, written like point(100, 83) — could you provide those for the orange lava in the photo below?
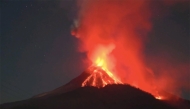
point(100, 75)
point(158, 97)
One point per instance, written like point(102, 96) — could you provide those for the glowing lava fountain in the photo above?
point(100, 77)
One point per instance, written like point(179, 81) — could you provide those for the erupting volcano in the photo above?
point(101, 70)
point(112, 34)
point(113, 40)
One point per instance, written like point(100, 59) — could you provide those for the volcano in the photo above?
point(96, 89)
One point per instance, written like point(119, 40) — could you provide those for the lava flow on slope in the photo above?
point(100, 77)
point(102, 69)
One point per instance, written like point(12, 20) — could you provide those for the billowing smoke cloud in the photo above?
point(167, 52)
point(125, 25)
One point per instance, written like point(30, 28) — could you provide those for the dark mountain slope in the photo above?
point(109, 97)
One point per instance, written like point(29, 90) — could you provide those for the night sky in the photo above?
point(38, 53)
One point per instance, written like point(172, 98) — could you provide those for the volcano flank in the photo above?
point(95, 89)
point(99, 77)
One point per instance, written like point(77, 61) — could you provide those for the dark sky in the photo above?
point(38, 54)
point(37, 51)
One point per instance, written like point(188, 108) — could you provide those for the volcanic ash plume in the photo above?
point(112, 34)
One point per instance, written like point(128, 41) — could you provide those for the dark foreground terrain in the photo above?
point(109, 97)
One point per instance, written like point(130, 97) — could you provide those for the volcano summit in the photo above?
point(99, 77)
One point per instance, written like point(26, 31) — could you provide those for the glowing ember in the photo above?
point(158, 97)
point(100, 75)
